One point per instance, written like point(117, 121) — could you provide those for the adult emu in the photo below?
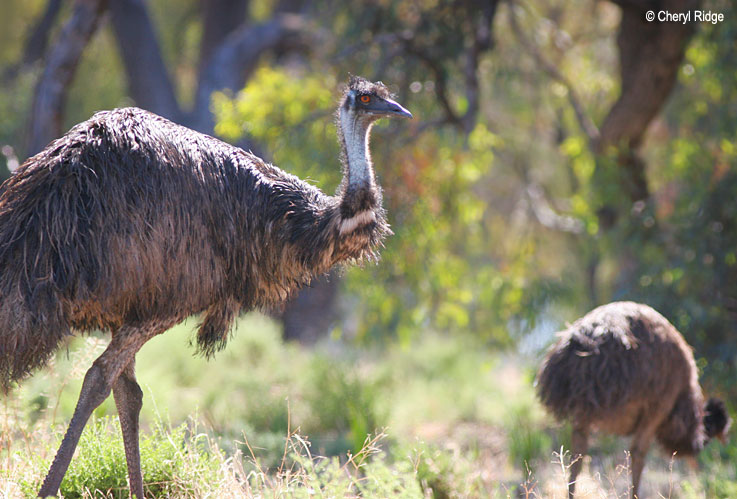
point(131, 223)
point(624, 369)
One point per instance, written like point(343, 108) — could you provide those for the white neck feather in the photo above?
point(356, 134)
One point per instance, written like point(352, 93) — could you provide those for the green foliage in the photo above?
point(378, 478)
point(437, 270)
point(341, 400)
point(454, 372)
point(683, 241)
point(528, 434)
point(289, 114)
point(437, 267)
point(529, 444)
point(434, 469)
point(368, 473)
point(719, 477)
point(688, 271)
point(443, 472)
point(469, 254)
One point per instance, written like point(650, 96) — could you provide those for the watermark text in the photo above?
point(690, 16)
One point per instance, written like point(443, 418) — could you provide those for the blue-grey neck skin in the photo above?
point(356, 130)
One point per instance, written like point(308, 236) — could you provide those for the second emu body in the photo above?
point(624, 369)
point(130, 223)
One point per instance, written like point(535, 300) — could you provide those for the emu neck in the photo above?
point(356, 142)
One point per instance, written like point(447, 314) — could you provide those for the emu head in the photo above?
point(716, 419)
point(367, 101)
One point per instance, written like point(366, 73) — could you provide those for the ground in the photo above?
point(447, 417)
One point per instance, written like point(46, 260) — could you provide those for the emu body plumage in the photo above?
point(624, 369)
point(131, 223)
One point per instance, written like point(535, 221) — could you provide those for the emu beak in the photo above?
point(389, 108)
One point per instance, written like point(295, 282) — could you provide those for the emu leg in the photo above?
point(579, 444)
point(96, 387)
point(128, 400)
point(95, 390)
point(638, 452)
point(641, 443)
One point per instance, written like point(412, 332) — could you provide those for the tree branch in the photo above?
point(48, 103)
point(482, 41)
point(232, 63)
point(547, 216)
point(37, 40)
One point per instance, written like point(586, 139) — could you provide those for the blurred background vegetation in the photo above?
point(563, 155)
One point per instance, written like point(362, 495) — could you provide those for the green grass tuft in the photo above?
point(175, 461)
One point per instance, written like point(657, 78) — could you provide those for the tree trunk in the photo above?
point(148, 80)
point(310, 314)
point(650, 54)
point(219, 19)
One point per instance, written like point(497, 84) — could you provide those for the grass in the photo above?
point(444, 417)
point(180, 462)
point(176, 461)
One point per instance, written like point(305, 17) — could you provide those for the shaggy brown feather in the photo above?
point(623, 368)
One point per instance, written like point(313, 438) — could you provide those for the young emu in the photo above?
point(131, 223)
point(624, 369)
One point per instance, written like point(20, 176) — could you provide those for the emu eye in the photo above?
point(365, 99)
